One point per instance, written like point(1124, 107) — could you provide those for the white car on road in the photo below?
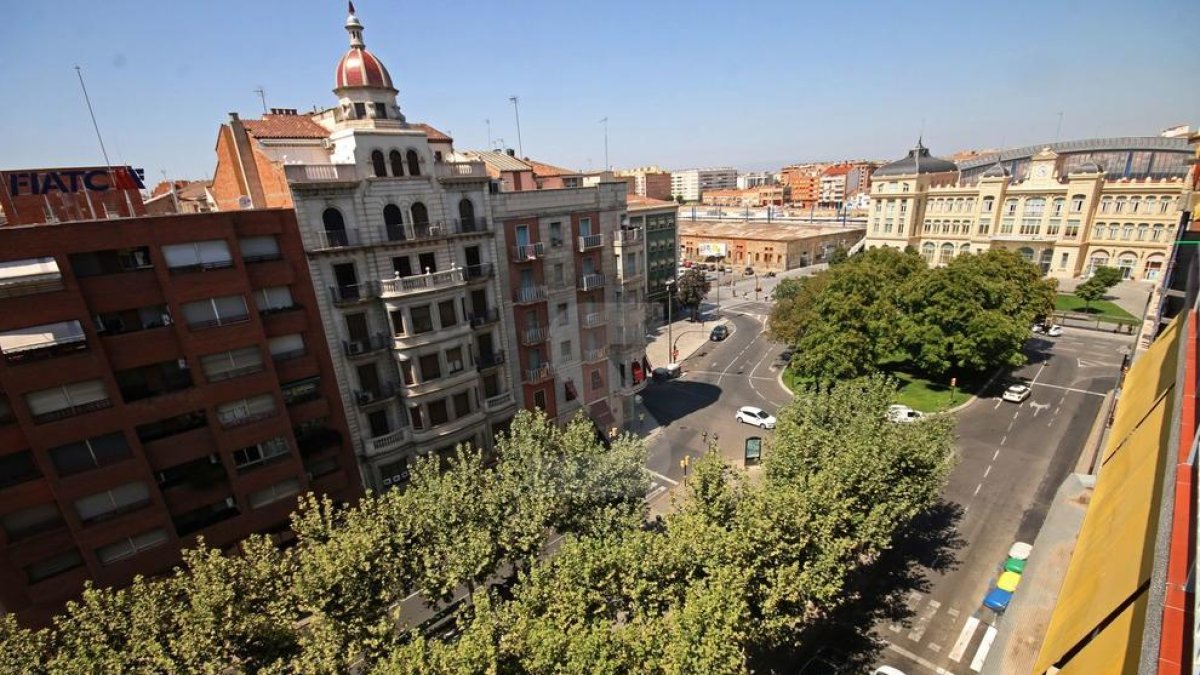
point(755, 416)
point(1017, 393)
point(903, 413)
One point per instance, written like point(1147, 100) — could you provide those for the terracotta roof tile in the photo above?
point(548, 170)
point(433, 134)
point(638, 201)
point(285, 126)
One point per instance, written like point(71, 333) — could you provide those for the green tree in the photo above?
point(1107, 276)
point(691, 287)
point(838, 256)
point(1090, 291)
point(972, 314)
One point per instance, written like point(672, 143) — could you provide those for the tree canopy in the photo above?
point(739, 568)
point(885, 308)
point(691, 287)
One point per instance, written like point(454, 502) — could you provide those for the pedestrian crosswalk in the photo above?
point(933, 627)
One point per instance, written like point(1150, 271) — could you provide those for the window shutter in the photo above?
point(215, 252)
point(230, 306)
point(80, 393)
point(181, 255)
point(285, 343)
point(199, 312)
point(259, 247)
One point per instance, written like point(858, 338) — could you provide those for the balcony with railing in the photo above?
point(332, 239)
point(590, 241)
point(472, 226)
point(489, 360)
point(628, 237)
point(72, 411)
point(389, 442)
point(591, 282)
point(498, 402)
point(382, 392)
point(451, 171)
point(351, 294)
point(538, 374)
point(422, 283)
point(528, 252)
point(300, 174)
point(525, 295)
point(484, 318)
point(366, 346)
point(630, 274)
point(480, 272)
point(534, 335)
point(592, 319)
point(594, 355)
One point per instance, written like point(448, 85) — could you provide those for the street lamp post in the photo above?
point(670, 346)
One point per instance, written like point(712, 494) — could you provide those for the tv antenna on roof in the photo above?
point(262, 95)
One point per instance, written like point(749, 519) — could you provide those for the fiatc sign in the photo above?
point(713, 250)
point(69, 181)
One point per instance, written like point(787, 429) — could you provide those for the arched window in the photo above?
point(1034, 207)
point(1106, 205)
point(1135, 204)
point(1059, 205)
point(393, 221)
point(1141, 231)
point(927, 250)
point(1026, 253)
point(1164, 206)
point(1077, 203)
point(397, 163)
point(1151, 203)
point(1156, 233)
point(414, 163)
point(335, 227)
point(1112, 231)
point(989, 203)
point(1098, 231)
point(1127, 231)
point(1120, 205)
point(420, 219)
point(947, 253)
point(377, 163)
point(964, 249)
point(1010, 207)
point(466, 214)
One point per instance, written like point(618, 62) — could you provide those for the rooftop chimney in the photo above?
point(512, 153)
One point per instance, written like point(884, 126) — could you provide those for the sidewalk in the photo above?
point(688, 338)
point(1130, 296)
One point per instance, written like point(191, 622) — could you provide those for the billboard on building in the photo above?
point(711, 250)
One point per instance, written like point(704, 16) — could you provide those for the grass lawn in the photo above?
point(918, 393)
point(1065, 302)
point(921, 394)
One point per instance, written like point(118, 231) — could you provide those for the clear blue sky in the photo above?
point(682, 83)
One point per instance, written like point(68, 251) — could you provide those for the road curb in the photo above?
point(974, 397)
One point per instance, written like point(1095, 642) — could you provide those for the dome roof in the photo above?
point(918, 161)
point(360, 68)
point(997, 171)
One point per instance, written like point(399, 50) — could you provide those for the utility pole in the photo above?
point(607, 166)
point(517, 112)
point(262, 96)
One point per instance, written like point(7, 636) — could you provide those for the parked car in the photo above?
point(1014, 565)
point(755, 416)
point(668, 372)
point(748, 271)
point(1054, 331)
point(1016, 393)
point(769, 274)
point(887, 670)
point(1008, 581)
point(1020, 550)
point(903, 413)
point(719, 333)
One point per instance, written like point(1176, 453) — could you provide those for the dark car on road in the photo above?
point(719, 333)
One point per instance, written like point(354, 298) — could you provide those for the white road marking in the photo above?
point(934, 648)
point(984, 647)
point(953, 613)
point(933, 668)
point(964, 639)
point(999, 401)
point(996, 454)
point(977, 489)
point(1039, 374)
point(895, 628)
point(1038, 407)
point(1003, 440)
point(987, 471)
point(656, 492)
point(1083, 363)
point(713, 372)
point(918, 630)
point(1078, 391)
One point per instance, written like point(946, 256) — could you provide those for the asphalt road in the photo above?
point(718, 379)
point(1013, 458)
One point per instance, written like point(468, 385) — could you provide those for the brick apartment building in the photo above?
point(162, 378)
point(803, 182)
